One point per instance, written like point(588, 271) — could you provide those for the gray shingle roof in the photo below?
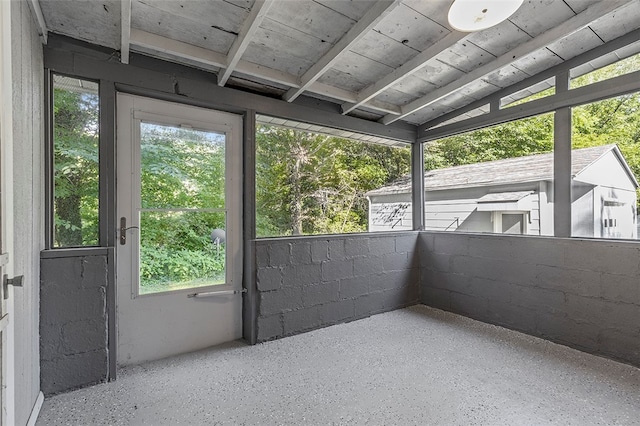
point(531, 168)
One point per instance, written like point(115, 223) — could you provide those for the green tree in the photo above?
point(309, 183)
point(75, 168)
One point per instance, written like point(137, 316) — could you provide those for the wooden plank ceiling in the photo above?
point(384, 60)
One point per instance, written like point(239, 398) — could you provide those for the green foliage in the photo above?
point(308, 183)
point(75, 168)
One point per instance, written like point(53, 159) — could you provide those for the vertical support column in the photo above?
point(562, 164)
point(417, 178)
point(249, 303)
point(107, 210)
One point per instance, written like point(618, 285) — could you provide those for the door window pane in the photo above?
point(181, 249)
point(181, 167)
point(182, 214)
point(75, 162)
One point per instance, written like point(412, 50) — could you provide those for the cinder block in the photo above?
point(539, 251)
point(356, 246)
point(490, 247)
point(336, 249)
point(622, 346)
point(624, 317)
point(299, 275)
point(262, 256)
point(451, 243)
point(368, 265)
point(492, 290)
point(435, 297)
point(451, 282)
point(539, 299)
point(301, 320)
point(300, 253)
point(395, 261)
point(319, 250)
point(396, 279)
point(511, 316)
point(317, 294)
point(279, 254)
point(471, 306)
point(511, 272)
point(337, 269)
point(70, 372)
point(335, 312)
point(406, 243)
point(382, 245)
point(93, 271)
point(269, 279)
point(353, 287)
point(600, 256)
point(372, 303)
point(579, 282)
point(426, 243)
point(91, 304)
point(270, 327)
point(400, 297)
point(620, 288)
point(84, 336)
point(563, 329)
point(275, 302)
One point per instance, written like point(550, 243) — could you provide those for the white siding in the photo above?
point(27, 150)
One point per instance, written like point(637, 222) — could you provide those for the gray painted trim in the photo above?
point(617, 86)
point(48, 158)
point(417, 194)
point(112, 318)
point(250, 302)
point(108, 220)
point(73, 252)
point(567, 65)
point(65, 55)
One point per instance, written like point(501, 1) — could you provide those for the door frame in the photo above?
point(7, 375)
point(234, 147)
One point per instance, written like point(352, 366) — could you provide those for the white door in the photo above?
point(179, 254)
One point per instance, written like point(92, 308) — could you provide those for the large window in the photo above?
point(75, 162)
point(498, 179)
point(605, 185)
point(310, 183)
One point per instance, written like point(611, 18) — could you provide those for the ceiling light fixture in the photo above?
point(476, 15)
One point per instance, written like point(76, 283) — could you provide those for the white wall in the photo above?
point(28, 199)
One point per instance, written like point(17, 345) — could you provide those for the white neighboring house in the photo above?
point(515, 196)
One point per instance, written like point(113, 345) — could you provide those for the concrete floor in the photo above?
point(413, 366)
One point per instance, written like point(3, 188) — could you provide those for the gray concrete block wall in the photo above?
point(312, 282)
point(73, 322)
point(581, 293)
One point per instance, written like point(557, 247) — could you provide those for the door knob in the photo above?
point(15, 281)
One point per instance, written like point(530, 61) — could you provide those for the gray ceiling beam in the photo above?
point(249, 28)
point(168, 48)
point(617, 86)
point(408, 68)
point(157, 78)
point(374, 15)
point(595, 53)
point(125, 30)
point(36, 11)
point(571, 26)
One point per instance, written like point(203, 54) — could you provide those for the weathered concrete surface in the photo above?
point(582, 293)
point(73, 322)
point(307, 283)
point(416, 366)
